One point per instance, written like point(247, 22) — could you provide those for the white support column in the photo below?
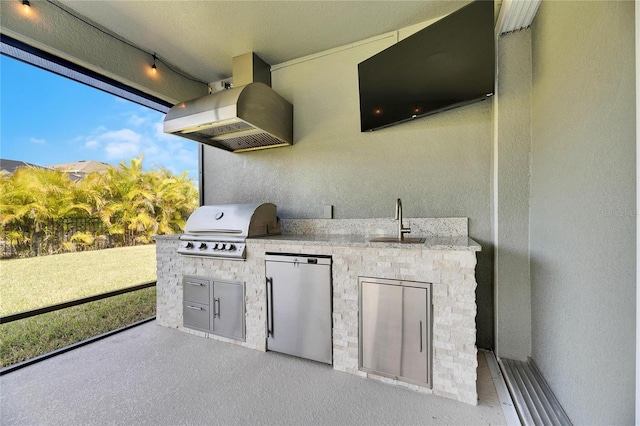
point(637, 10)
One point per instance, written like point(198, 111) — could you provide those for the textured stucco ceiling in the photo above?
point(202, 37)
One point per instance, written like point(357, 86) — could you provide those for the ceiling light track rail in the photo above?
point(44, 60)
point(154, 55)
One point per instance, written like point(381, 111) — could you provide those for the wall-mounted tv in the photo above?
point(448, 64)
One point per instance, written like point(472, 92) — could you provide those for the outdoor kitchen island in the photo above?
point(446, 260)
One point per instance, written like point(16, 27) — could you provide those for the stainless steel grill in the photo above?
point(220, 231)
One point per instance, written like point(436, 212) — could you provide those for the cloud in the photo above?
point(136, 120)
point(122, 135)
point(148, 139)
point(92, 144)
point(121, 144)
point(121, 150)
point(37, 141)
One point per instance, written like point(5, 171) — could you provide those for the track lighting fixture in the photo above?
point(26, 10)
point(153, 67)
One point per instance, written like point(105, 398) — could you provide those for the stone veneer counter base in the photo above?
point(448, 262)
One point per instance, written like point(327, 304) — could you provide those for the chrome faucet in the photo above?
point(401, 229)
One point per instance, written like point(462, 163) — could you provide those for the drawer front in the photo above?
point(196, 290)
point(196, 315)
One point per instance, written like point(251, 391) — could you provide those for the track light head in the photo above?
point(154, 69)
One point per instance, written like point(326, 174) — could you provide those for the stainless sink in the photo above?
point(406, 240)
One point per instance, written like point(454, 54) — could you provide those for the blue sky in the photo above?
point(47, 119)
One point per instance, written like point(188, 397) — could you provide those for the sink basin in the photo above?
point(406, 240)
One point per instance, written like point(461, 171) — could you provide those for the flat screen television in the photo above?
point(448, 64)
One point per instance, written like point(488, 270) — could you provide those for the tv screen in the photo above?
point(448, 64)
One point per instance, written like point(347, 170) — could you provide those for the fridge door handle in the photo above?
point(269, 306)
point(421, 336)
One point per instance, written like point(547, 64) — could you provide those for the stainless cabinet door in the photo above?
point(381, 332)
point(228, 309)
point(415, 345)
point(299, 297)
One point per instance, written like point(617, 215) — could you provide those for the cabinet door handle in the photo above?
point(420, 336)
point(195, 308)
point(216, 312)
point(269, 306)
point(196, 284)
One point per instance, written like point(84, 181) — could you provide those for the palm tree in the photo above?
point(130, 213)
point(37, 199)
point(132, 204)
point(176, 198)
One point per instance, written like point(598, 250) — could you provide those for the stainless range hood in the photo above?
point(248, 117)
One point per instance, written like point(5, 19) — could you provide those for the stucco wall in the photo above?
point(583, 197)
point(439, 166)
point(513, 145)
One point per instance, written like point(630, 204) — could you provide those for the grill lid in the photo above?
point(232, 220)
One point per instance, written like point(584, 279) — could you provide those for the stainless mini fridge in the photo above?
point(299, 305)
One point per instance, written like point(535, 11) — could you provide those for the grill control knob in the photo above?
point(202, 246)
point(189, 245)
point(229, 247)
point(218, 246)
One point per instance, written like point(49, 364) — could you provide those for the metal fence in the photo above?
point(57, 237)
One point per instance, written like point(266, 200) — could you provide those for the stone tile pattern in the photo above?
point(172, 267)
point(451, 272)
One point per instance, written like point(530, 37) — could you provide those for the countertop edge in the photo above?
point(431, 243)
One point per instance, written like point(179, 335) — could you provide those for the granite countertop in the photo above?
point(445, 233)
point(431, 243)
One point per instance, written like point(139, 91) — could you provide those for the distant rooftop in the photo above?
point(76, 169)
point(10, 166)
point(82, 166)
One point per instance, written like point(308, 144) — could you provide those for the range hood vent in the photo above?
point(248, 117)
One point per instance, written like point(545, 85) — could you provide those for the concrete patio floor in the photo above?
point(151, 375)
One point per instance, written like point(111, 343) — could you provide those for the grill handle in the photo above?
point(269, 306)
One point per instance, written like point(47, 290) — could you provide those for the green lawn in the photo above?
point(37, 282)
point(30, 337)
point(40, 281)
